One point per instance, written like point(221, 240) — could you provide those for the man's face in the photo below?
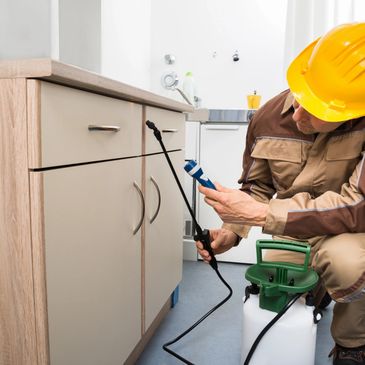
point(309, 124)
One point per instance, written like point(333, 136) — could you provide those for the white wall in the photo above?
point(193, 30)
point(66, 30)
point(80, 33)
point(309, 19)
point(127, 40)
point(25, 29)
point(126, 46)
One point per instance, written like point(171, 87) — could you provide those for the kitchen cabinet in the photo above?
point(164, 214)
point(163, 250)
point(92, 260)
point(87, 266)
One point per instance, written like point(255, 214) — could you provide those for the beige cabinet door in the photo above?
point(93, 262)
point(164, 232)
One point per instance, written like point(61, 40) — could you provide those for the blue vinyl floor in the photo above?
point(217, 340)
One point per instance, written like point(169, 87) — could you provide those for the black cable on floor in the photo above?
point(269, 325)
point(165, 346)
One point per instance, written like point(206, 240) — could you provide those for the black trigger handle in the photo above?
point(204, 238)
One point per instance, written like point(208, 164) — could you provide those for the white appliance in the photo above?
point(222, 138)
point(192, 130)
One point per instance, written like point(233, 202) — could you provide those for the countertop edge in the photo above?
point(69, 75)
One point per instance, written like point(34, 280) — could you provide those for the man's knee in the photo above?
point(340, 260)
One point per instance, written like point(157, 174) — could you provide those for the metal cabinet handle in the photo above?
point(143, 208)
point(159, 199)
point(172, 130)
point(111, 128)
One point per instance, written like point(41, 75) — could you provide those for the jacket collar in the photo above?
point(288, 103)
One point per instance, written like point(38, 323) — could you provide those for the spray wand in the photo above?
point(195, 171)
point(202, 235)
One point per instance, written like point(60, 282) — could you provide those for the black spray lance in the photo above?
point(202, 236)
point(195, 171)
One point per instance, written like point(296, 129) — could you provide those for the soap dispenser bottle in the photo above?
point(189, 87)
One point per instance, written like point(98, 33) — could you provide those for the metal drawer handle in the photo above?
point(159, 199)
point(170, 130)
point(111, 128)
point(143, 208)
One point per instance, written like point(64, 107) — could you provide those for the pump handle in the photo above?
point(285, 246)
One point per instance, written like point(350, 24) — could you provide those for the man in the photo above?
point(307, 146)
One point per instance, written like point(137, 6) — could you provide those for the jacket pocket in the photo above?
point(278, 149)
point(284, 157)
point(345, 147)
point(343, 154)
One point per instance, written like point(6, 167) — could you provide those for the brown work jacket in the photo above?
point(314, 184)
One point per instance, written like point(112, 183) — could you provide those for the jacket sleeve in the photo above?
point(329, 214)
point(256, 177)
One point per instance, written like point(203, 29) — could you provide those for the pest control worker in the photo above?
point(307, 146)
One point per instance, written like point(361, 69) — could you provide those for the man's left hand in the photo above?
point(235, 206)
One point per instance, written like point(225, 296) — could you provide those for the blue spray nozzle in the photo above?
point(194, 170)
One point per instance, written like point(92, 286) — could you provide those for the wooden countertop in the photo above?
point(69, 75)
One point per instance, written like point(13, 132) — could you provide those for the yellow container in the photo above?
point(253, 101)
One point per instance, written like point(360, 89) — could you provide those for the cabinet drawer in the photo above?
point(172, 126)
point(59, 118)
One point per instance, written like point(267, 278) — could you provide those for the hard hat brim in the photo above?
point(306, 97)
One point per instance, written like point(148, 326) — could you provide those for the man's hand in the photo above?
point(235, 206)
point(221, 241)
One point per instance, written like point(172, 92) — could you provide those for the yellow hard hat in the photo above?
point(328, 77)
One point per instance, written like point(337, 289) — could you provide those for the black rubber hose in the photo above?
point(165, 346)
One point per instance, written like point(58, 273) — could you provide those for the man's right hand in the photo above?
point(221, 240)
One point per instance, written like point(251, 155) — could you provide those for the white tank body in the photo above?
point(291, 340)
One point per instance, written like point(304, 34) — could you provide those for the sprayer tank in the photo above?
point(291, 340)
